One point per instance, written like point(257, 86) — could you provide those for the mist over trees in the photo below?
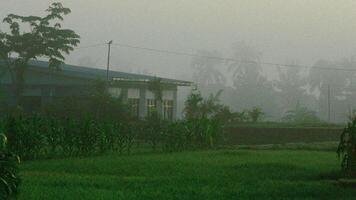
point(323, 91)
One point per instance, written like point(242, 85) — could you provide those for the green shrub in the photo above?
point(9, 179)
point(301, 114)
point(347, 149)
point(25, 135)
point(154, 129)
point(41, 136)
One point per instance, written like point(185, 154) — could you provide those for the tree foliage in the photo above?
point(156, 87)
point(347, 148)
point(32, 37)
point(196, 106)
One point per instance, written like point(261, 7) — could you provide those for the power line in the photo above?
point(90, 46)
point(231, 59)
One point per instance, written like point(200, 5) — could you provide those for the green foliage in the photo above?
point(226, 116)
point(42, 136)
point(9, 179)
point(347, 148)
point(154, 127)
point(200, 132)
point(156, 87)
point(204, 120)
point(25, 135)
point(45, 38)
point(39, 136)
point(301, 114)
point(192, 104)
point(198, 107)
point(204, 132)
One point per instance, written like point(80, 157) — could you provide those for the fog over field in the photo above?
point(293, 32)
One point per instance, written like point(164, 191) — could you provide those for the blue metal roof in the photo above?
point(95, 73)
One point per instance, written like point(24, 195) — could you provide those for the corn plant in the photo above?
point(54, 134)
point(69, 137)
point(153, 129)
point(9, 179)
point(25, 136)
point(131, 134)
point(106, 140)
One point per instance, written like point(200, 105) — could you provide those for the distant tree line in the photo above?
point(289, 88)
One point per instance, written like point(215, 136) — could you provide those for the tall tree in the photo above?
point(45, 37)
point(246, 65)
point(291, 86)
point(253, 89)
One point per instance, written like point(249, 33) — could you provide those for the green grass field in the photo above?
point(220, 174)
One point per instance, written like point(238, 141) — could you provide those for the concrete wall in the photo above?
point(257, 135)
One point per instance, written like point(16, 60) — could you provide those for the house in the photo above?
point(43, 84)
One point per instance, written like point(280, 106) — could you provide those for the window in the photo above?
point(115, 92)
point(151, 106)
point(168, 109)
point(134, 107)
point(133, 93)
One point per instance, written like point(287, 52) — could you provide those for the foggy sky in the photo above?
point(303, 30)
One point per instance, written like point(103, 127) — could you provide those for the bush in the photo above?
point(347, 149)
point(9, 179)
point(301, 114)
point(204, 132)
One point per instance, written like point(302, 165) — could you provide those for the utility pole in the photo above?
point(329, 104)
point(108, 63)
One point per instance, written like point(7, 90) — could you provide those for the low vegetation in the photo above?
point(9, 178)
point(39, 136)
point(301, 114)
point(218, 174)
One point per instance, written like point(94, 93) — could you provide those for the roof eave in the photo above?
point(174, 82)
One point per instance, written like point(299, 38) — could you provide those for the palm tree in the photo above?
point(245, 66)
point(205, 66)
point(251, 85)
point(291, 86)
